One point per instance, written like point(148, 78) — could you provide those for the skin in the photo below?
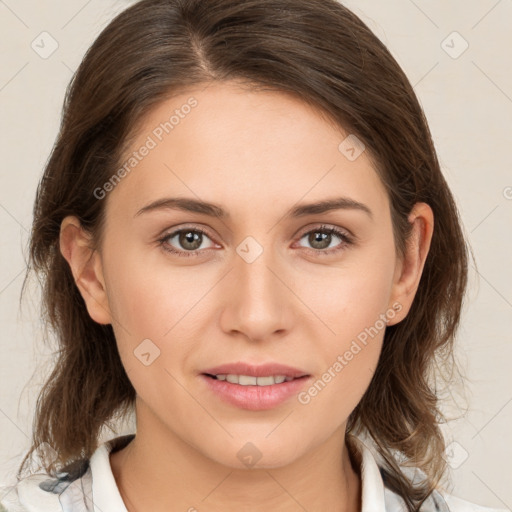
point(255, 154)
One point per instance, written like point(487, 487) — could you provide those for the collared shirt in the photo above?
point(89, 486)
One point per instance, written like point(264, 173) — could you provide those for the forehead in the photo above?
point(226, 143)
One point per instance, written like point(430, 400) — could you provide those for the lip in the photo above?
point(255, 398)
point(263, 370)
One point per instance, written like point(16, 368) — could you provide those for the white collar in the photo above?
point(372, 486)
point(105, 492)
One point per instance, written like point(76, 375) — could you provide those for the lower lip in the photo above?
point(255, 398)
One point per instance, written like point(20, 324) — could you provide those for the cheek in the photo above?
point(348, 358)
point(149, 295)
point(160, 310)
point(352, 303)
point(349, 298)
point(335, 393)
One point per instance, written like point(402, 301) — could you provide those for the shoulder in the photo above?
point(438, 501)
point(71, 489)
point(377, 487)
point(43, 493)
point(28, 495)
point(459, 505)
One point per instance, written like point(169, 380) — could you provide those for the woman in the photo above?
point(245, 238)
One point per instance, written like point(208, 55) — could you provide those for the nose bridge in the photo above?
point(253, 264)
point(257, 305)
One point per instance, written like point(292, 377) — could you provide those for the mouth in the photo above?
point(244, 373)
point(255, 388)
point(252, 380)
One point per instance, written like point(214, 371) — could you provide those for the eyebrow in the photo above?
point(214, 210)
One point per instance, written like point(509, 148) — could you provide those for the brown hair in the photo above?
point(324, 54)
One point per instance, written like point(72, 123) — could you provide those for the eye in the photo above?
point(322, 237)
point(191, 241)
point(186, 241)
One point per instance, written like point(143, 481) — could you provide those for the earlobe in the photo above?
point(409, 269)
point(86, 267)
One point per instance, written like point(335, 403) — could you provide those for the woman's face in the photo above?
point(263, 283)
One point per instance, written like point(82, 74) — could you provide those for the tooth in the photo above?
point(266, 381)
point(249, 380)
point(246, 380)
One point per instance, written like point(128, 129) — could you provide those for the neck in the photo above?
point(160, 472)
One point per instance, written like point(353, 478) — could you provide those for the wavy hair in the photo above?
point(324, 54)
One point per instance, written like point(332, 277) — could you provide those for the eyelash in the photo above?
point(346, 240)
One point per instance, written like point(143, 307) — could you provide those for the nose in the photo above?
point(257, 302)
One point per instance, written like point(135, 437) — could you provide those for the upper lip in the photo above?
point(262, 370)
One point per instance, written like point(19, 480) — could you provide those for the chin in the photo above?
point(253, 451)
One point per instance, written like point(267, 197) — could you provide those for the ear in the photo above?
point(86, 267)
point(408, 269)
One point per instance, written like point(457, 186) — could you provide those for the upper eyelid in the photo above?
point(173, 232)
point(326, 227)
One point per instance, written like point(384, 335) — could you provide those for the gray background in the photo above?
point(467, 98)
